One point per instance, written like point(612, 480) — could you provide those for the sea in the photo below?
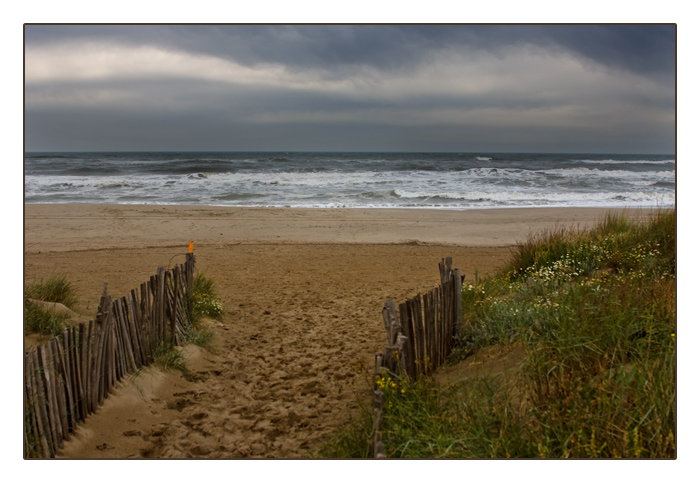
point(456, 181)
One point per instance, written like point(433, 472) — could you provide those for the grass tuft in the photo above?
point(55, 289)
point(170, 357)
point(200, 336)
point(40, 320)
point(205, 300)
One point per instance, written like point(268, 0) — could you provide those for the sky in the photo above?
point(458, 88)
point(565, 88)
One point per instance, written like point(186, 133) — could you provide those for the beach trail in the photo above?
point(291, 358)
point(303, 292)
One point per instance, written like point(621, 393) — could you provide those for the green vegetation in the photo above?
point(205, 304)
point(170, 357)
point(205, 301)
point(353, 440)
point(39, 319)
point(44, 321)
point(200, 336)
point(594, 313)
point(55, 289)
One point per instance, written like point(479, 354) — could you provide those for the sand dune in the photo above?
point(303, 291)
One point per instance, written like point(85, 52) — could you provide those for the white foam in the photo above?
point(476, 187)
point(590, 172)
point(625, 161)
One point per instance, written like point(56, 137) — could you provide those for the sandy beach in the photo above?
point(303, 291)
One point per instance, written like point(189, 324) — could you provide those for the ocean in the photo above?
point(352, 180)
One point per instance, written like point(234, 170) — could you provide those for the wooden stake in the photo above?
point(160, 301)
point(457, 280)
point(407, 329)
point(38, 399)
point(173, 315)
point(52, 412)
point(91, 357)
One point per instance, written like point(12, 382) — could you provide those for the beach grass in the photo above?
point(170, 356)
point(594, 314)
point(40, 319)
point(205, 303)
point(205, 299)
point(55, 289)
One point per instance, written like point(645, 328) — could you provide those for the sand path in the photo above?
point(300, 321)
point(303, 291)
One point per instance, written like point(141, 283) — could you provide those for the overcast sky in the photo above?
point(473, 88)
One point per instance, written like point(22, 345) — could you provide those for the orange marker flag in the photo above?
point(191, 246)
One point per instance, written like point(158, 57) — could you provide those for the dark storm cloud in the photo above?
point(388, 87)
point(640, 48)
point(644, 49)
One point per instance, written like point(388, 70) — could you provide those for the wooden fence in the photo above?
point(420, 336)
point(68, 378)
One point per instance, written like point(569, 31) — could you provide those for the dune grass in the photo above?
point(170, 357)
point(205, 299)
point(54, 289)
point(595, 313)
point(205, 304)
point(38, 319)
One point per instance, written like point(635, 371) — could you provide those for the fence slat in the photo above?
point(129, 337)
point(51, 410)
point(161, 302)
point(90, 365)
point(418, 332)
point(419, 321)
point(457, 280)
point(37, 423)
point(134, 314)
point(97, 365)
point(39, 404)
point(71, 357)
point(429, 324)
point(173, 315)
point(61, 400)
point(407, 329)
point(144, 323)
point(120, 348)
point(76, 360)
point(111, 369)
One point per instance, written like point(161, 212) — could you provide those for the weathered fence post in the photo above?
point(160, 302)
point(457, 280)
point(445, 267)
point(173, 315)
